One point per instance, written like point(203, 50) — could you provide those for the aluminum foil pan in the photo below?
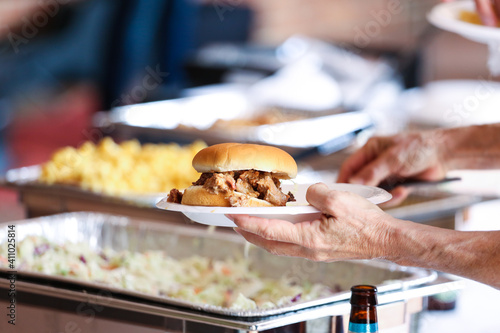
point(122, 233)
point(28, 177)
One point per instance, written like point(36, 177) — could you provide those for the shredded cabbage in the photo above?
point(229, 283)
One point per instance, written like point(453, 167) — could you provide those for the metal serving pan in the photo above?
point(192, 118)
point(41, 199)
point(28, 177)
point(121, 233)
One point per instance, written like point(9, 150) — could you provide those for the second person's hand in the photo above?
point(394, 158)
point(489, 11)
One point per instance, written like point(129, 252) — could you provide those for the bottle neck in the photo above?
point(363, 328)
point(363, 318)
point(363, 314)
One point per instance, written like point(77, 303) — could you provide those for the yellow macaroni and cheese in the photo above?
point(125, 168)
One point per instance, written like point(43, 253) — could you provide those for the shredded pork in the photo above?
point(255, 184)
point(223, 182)
point(174, 196)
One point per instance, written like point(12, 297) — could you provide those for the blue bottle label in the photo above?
point(363, 328)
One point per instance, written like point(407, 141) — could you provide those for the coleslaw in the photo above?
point(229, 283)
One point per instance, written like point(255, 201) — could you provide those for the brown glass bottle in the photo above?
point(363, 316)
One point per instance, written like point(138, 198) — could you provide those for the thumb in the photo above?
point(399, 194)
point(321, 197)
point(336, 203)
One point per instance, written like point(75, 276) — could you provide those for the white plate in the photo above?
point(447, 17)
point(296, 211)
point(453, 103)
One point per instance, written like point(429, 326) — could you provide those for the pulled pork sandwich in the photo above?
point(238, 175)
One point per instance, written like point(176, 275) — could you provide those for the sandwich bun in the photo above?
point(226, 157)
point(200, 196)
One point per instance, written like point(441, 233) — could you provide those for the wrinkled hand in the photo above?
point(351, 227)
point(489, 11)
point(394, 158)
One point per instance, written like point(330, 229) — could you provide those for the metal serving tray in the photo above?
point(28, 176)
point(191, 118)
point(120, 233)
point(41, 199)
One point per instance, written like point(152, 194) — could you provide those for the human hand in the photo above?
point(390, 159)
point(351, 227)
point(489, 11)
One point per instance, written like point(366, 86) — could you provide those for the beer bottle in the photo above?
point(363, 316)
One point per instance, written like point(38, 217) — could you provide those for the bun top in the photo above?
point(239, 156)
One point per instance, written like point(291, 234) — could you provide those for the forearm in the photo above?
point(474, 255)
point(473, 147)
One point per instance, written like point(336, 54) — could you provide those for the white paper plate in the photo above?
point(296, 211)
point(447, 17)
point(453, 103)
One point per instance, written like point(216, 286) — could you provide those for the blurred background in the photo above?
point(63, 61)
point(69, 69)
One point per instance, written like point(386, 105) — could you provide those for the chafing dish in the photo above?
point(397, 285)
